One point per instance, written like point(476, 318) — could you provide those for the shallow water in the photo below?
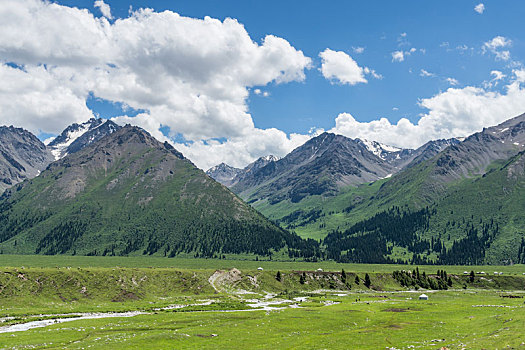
point(266, 304)
point(85, 316)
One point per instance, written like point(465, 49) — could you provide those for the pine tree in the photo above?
point(343, 275)
point(472, 276)
point(278, 276)
point(367, 281)
point(356, 279)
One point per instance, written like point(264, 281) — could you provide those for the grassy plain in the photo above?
point(62, 261)
point(454, 319)
point(187, 304)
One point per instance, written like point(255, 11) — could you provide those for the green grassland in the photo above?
point(337, 212)
point(448, 319)
point(211, 314)
point(63, 261)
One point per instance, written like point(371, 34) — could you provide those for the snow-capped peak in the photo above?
point(379, 149)
point(70, 135)
point(59, 145)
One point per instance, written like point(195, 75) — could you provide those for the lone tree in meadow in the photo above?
point(278, 276)
point(356, 279)
point(367, 281)
point(472, 275)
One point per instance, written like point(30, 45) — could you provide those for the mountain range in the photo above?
point(468, 195)
point(229, 176)
point(291, 190)
point(127, 193)
point(116, 190)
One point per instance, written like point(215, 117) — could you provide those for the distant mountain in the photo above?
point(260, 163)
point(468, 159)
point(463, 206)
point(125, 194)
point(321, 166)
point(22, 156)
point(77, 136)
point(224, 174)
point(324, 165)
point(229, 176)
point(385, 152)
point(427, 151)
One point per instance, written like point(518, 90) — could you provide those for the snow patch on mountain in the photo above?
point(59, 150)
point(379, 149)
point(61, 145)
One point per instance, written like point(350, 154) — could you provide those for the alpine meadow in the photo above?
point(241, 175)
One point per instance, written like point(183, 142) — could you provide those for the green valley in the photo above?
point(108, 307)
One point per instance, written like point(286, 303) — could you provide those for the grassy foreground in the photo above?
point(455, 320)
point(202, 308)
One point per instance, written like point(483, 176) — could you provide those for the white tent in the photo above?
point(423, 297)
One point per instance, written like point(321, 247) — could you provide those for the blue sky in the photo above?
point(377, 26)
point(461, 69)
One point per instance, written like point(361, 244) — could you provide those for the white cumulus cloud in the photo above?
point(479, 8)
point(339, 66)
point(398, 56)
point(496, 46)
point(452, 81)
point(425, 73)
point(190, 75)
point(498, 75)
point(104, 8)
point(452, 113)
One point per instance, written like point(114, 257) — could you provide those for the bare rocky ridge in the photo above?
point(478, 151)
point(22, 156)
point(103, 156)
point(229, 176)
point(225, 174)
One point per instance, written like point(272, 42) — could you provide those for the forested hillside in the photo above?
point(130, 194)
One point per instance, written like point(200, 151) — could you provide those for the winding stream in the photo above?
point(81, 316)
point(265, 304)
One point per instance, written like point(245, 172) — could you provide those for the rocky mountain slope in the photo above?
point(326, 164)
point(471, 158)
point(321, 166)
point(77, 136)
point(225, 174)
point(229, 176)
point(130, 194)
point(22, 156)
point(462, 206)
